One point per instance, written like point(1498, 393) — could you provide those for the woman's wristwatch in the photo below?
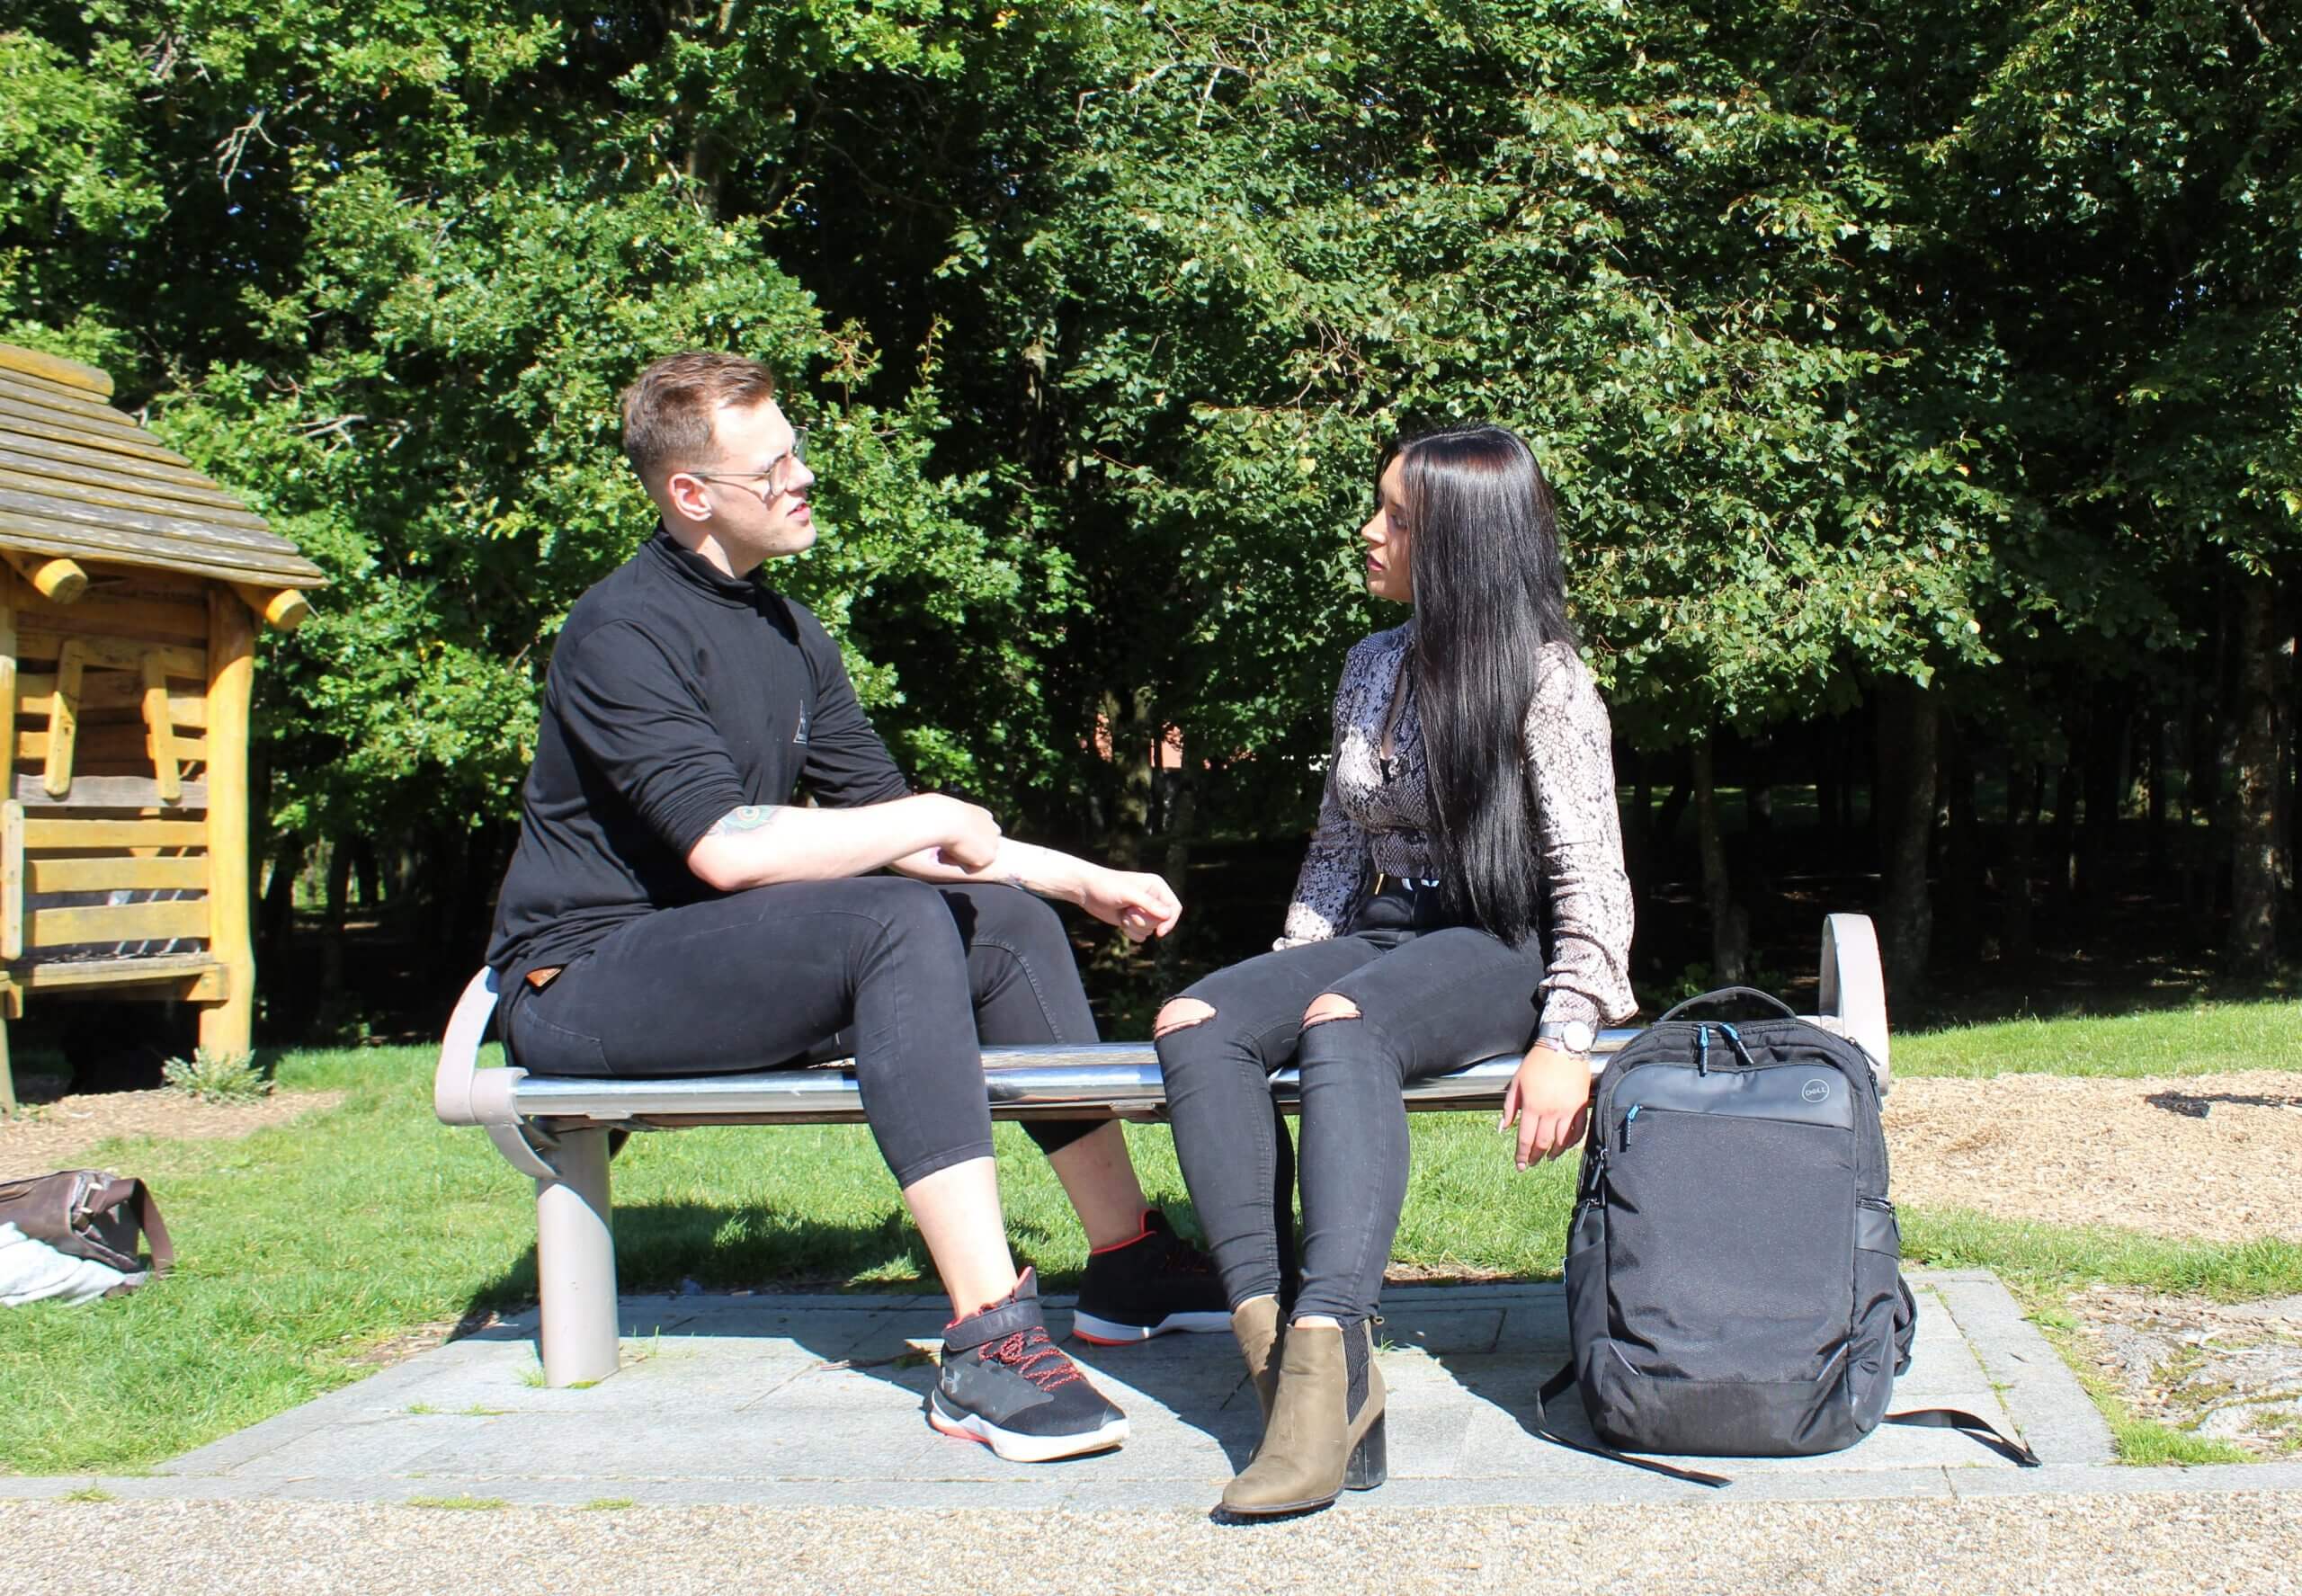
point(1567, 1036)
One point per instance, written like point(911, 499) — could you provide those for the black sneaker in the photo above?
point(1007, 1386)
point(1156, 1283)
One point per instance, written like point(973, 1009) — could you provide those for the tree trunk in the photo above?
point(1904, 804)
point(1962, 846)
point(1666, 819)
point(2253, 949)
point(1128, 823)
point(2105, 776)
point(339, 885)
point(1758, 818)
point(2017, 940)
point(1730, 927)
point(1181, 830)
point(2159, 750)
point(275, 921)
point(2222, 806)
point(1635, 842)
point(1826, 781)
point(2288, 696)
point(2063, 862)
point(364, 875)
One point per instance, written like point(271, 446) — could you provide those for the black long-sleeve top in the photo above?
point(675, 694)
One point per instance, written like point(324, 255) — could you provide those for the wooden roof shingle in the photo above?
point(80, 480)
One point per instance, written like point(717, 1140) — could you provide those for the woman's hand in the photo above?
point(1550, 1097)
point(1140, 904)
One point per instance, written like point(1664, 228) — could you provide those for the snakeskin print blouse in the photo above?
point(1369, 825)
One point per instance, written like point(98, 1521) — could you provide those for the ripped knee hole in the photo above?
point(1329, 1005)
point(1181, 1013)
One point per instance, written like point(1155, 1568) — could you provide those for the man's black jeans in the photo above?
point(906, 977)
point(1431, 998)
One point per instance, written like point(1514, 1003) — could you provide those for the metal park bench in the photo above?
point(556, 1128)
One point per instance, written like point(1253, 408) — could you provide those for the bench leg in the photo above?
point(576, 1263)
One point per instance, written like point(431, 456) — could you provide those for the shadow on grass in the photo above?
point(677, 1247)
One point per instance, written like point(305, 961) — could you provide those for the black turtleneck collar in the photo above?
point(691, 566)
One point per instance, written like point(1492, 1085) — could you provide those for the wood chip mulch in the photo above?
point(58, 1134)
point(2200, 1157)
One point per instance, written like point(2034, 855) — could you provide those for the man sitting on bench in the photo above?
point(671, 911)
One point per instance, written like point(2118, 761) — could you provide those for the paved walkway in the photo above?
point(815, 1401)
point(776, 1443)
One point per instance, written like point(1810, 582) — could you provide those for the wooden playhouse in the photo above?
point(130, 586)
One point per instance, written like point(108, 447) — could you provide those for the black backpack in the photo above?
point(1733, 1279)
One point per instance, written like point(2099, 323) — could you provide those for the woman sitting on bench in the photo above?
point(1471, 796)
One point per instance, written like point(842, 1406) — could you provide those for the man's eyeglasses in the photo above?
point(778, 473)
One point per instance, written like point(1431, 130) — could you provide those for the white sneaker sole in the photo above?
point(1110, 1332)
point(1025, 1448)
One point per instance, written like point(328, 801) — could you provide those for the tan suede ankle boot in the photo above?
point(1255, 1322)
point(1326, 1431)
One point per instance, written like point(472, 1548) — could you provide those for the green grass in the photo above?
point(306, 1250)
point(2205, 1039)
point(460, 1504)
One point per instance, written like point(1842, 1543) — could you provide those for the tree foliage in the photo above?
point(1958, 349)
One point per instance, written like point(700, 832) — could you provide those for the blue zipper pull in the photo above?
point(1735, 1040)
point(1626, 1118)
point(1703, 1048)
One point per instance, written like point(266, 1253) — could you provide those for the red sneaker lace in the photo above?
point(1035, 1359)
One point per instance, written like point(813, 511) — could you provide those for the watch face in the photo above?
point(1576, 1036)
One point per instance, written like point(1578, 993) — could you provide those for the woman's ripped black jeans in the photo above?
point(1431, 998)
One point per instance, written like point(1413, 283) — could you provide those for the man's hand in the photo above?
point(971, 839)
point(1140, 904)
point(1550, 1097)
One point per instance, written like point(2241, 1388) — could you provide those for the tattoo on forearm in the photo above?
point(746, 818)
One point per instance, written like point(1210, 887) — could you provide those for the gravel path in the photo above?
point(55, 1135)
point(2129, 1545)
point(2212, 1158)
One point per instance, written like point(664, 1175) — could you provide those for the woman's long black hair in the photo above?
point(1490, 591)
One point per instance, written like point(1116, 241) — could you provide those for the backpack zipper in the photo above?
point(1735, 1040)
point(1626, 1118)
point(1703, 1048)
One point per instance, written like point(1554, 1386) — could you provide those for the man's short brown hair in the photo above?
point(668, 414)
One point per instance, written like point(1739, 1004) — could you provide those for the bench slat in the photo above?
point(1117, 1079)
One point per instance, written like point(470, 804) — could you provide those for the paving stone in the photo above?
point(782, 1398)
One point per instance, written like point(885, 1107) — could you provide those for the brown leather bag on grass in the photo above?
point(89, 1213)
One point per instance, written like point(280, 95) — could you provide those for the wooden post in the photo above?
point(229, 1027)
point(12, 880)
point(160, 725)
point(7, 696)
point(283, 609)
point(64, 716)
point(8, 1011)
point(57, 580)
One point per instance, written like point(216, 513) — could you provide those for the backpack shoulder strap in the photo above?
point(1555, 1386)
point(1967, 1424)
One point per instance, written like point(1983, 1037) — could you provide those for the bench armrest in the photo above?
point(453, 1082)
point(1854, 986)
